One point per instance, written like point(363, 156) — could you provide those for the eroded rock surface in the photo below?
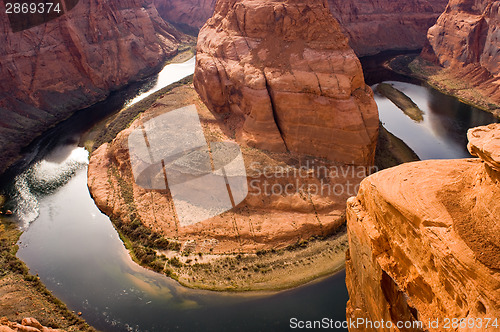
point(27, 325)
point(424, 240)
point(188, 15)
point(381, 25)
point(466, 39)
point(284, 77)
point(72, 61)
point(285, 203)
point(372, 26)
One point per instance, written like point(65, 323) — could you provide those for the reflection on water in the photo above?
point(443, 133)
point(170, 74)
point(43, 178)
point(80, 257)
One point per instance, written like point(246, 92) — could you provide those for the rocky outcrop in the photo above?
point(424, 241)
point(466, 40)
point(27, 325)
point(370, 25)
point(187, 15)
point(283, 75)
point(287, 199)
point(52, 69)
point(381, 25)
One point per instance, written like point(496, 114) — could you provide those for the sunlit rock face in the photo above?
point(466, 39)
point(283, 75)
point(424, 240)
point(371, 26)
point(51, 69)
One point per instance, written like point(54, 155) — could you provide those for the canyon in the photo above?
point(283, 76)
point(423, 240)
point(369, 25)
point(382, 25)
point(187, 15)
point(465, 42)
point(72, 61)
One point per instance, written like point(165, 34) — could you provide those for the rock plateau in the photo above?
point(52, 69)
point(424, 240)
point(283, 76)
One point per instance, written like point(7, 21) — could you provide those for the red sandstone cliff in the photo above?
point(72, 61)
point(372, 26)
point(424, 241)
point(283, 75)
point(187, 15)
point(380, 25)
point(466, 40)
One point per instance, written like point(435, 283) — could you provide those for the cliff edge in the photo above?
point(50, 70)
point(424, 241)
point(466, 41)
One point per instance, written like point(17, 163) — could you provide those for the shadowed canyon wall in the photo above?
point(423, 240)
point(70, 62)
point(372, 26)
point(187, 15)
point(381, 25)
point(283, 76)
point(466, 39)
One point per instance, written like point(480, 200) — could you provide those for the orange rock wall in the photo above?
point(466, 38)
point(284, 74)
point(424, 241)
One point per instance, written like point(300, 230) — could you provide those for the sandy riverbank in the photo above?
point(23, 295)
point(444, 80)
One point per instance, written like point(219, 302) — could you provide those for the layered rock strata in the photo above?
point(382, 25)
point(289, 198)
point(187, 15)
point(372, 26)
point(72, 61)
point(282, 73)
point(466, 40)
point(424, 241)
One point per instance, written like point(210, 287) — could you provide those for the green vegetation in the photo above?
point(402, 101)
point(107, 130)
point(13, 268)
point(445, 81)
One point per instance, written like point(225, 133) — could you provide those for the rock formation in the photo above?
point(266, 219)
point(282, 73)
point(370, 25)
point(424, 240)
point(70, 62)
point(466, 40)
point(381, 25)
point(187, 15)
point(27, 325)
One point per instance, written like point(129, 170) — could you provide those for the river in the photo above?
point(78, 255)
